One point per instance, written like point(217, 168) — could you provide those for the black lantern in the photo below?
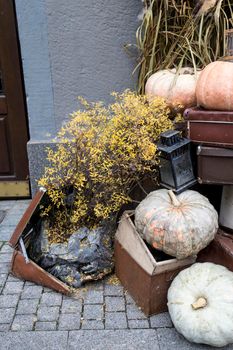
point(176, 171)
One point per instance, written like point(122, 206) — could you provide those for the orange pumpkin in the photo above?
point(215, 86)
point(178, 225)
point(175, 88)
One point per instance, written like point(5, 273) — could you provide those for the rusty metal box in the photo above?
point(214, 165)
point(21, 266)
point(219, 251)
point(145, 278)
point(213, 128)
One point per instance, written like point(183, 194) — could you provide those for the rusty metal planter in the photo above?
point(145, 279)
point(27, 269)
point(215, 165)
point(212, 128)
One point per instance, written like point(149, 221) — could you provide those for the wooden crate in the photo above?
point(146, 279)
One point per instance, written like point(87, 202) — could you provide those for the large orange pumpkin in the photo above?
point(178, 225)
point(215, 86)
point(176, 88)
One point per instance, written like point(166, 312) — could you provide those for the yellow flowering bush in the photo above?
point(103, 152)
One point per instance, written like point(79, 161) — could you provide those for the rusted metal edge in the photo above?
point(26, 217)
point(30, 271)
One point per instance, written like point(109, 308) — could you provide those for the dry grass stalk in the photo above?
point(177, 33)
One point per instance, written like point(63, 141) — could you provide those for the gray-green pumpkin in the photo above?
point(179, 225)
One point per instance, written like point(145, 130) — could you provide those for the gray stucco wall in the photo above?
point(32, 28)
point(71, 48)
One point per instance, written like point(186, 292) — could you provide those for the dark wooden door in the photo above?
point(14, 180)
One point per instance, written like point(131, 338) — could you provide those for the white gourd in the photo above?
point(200, 303)
point(178, 88)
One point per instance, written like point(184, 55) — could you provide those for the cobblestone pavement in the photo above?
point(102, 316)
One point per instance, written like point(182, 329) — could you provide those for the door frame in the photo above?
point(17, 124)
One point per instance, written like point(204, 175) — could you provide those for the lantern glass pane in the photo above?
point(166, 173)
point(183, 169)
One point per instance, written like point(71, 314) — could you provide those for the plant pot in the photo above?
point(145, 278)
point(87, 255)
point(21, 266)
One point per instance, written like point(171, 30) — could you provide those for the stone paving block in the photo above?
point(115, 320)
point(12, 278)
point(134, 313)
point(7, 301)
point(27, 306)
point(4, 267)
point(69, 321)
point(6, 205)
point(111, 290)
point(45, 326)
point(98, 285)
point(161, 320)
point(129, 299)
point(92, 324)
point(34, 340)
point(169, 339)
point(13, 287)
point(133, 324)
point(4, 327)
point(6, 232)
point(51, 299)
point(115, 303)
point(48, 290)
point(46, 313)
point(114, 340)
point(93, 297)
point(11, 220)
point(31, 292)
point(3, 278)
point(71, 306)
point(29, 283)
point(23, 322)
point(7, 315)
point(93, 312)
point(5, 257)
point(21, 204)
point(6, 249)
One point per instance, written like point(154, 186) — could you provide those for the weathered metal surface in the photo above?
point(146, 279)
point(32, 272)
point(27, 269)
point(215, 165)
point(23, 225)
point(175, 168)
point(213, 128)
point(219, 251)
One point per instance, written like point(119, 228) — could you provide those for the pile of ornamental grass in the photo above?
point(176, 33)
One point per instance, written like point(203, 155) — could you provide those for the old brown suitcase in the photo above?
point(219, 251)
point(214, 165)
point(146, 279)
point(213, 128)
point(21, 266)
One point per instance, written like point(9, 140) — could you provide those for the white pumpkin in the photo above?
point(179, 225)
point(200, 303)
point(175, 88)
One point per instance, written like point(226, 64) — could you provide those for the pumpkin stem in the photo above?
point(173, 198)
point(199, 303)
